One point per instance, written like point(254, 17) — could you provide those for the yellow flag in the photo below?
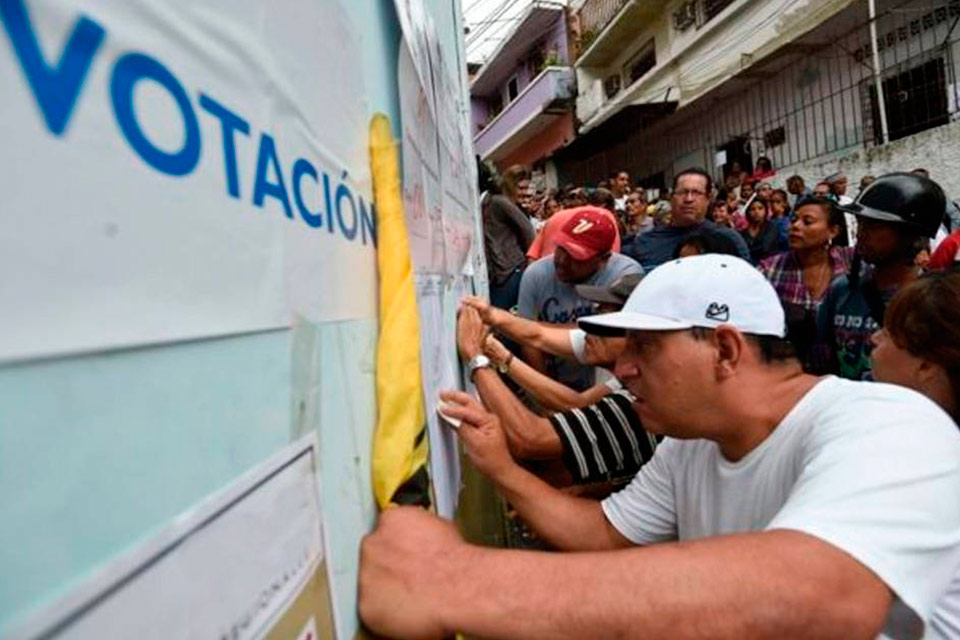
point(400, 446)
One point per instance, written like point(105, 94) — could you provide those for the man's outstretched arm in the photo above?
point(418, 579)
point(567, 522)
point(553, 339)
point(530, 436)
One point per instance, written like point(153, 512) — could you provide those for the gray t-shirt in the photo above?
point(545, 299)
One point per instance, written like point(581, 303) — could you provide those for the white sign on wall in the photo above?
point(248, 563)
point(176, 169)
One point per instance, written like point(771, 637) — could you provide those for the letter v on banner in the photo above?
point(55, 88)
point(400, 446)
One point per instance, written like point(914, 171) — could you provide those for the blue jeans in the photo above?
point(506, 294)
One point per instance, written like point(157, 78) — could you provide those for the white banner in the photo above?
point(249, 563)
point(176, 169)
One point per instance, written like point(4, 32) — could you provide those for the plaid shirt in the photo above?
point(785, 273)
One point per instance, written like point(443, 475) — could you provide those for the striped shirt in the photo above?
point(605, 441)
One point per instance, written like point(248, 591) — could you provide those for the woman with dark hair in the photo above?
point(802, 275)
point(919, 344)
point(764, 169)
point(760, 234)
point(919, 348)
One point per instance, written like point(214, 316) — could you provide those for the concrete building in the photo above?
point(522, 98)
point(663, 85)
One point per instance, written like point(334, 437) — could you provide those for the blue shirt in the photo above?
point(657, 246)
point(544, 298)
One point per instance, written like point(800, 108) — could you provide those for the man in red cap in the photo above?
point(547, 291)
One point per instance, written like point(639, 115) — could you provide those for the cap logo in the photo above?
point(718, 312)
point(582, 227)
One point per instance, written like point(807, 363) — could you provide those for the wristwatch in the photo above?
point(504, 367)
point(478, 361)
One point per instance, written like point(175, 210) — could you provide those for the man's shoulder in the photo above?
point(540, 269)
point(880, 412)
point(620, 264)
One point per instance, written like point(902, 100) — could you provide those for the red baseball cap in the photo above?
point(586, 234)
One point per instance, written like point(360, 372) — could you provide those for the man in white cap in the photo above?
point(779, 505)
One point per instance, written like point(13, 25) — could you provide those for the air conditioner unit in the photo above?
point(685, 17)
point(611, 86)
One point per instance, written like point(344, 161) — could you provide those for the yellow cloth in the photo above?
point(400, 447)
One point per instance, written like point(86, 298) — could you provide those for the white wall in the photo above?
point(937, 150)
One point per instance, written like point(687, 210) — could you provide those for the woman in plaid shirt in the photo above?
point(802, 275)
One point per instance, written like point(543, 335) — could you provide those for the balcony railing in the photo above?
point(553, 90)
point(595, 15)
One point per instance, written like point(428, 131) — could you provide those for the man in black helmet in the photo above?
point(895, 215)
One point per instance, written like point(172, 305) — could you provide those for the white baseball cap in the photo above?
point(699, 291)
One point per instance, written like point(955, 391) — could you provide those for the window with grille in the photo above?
point(639, 63)
point(915, 100)
point(711, 8)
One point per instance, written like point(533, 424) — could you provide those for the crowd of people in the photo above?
point(734, 408)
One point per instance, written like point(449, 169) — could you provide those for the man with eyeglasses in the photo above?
point(692, 190)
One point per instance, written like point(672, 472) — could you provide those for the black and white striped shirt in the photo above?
point(605, 441)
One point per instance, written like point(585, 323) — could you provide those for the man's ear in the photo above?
point(731, 347)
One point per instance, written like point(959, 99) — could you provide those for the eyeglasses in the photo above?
point(695, 193)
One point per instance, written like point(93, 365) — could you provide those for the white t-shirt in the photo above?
point(871, 468)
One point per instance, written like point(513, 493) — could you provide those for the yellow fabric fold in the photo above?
point(400, 446)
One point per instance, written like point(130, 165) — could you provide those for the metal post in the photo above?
point(881, 100)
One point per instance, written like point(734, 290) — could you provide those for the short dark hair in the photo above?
point(835, 217)
point(707, 241)
point(695, 171)
point(603, 198)
point(773, 349)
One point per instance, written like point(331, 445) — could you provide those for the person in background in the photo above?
point(780, 214)
point(747, 195)
point(719, 212)
point(919, 344)
point(764, 191)
point(550, 204)
point(736, 175)
point(692, 191)
point(896, 213)
point(747, 190)
point(737, 220)
point(802, 275)
point(947, 254)
point(838, 183)
point(951, 216)
point(636, 219)
point(797, 189)
point(866, 181)
point(706, 241)
point(620, 187)
point(822, 190)
point(546, 241)
point(662, 214)
point(583, 255)
point(764, 169)
point(919, 348)
point(507, 234)
point(761, 235)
